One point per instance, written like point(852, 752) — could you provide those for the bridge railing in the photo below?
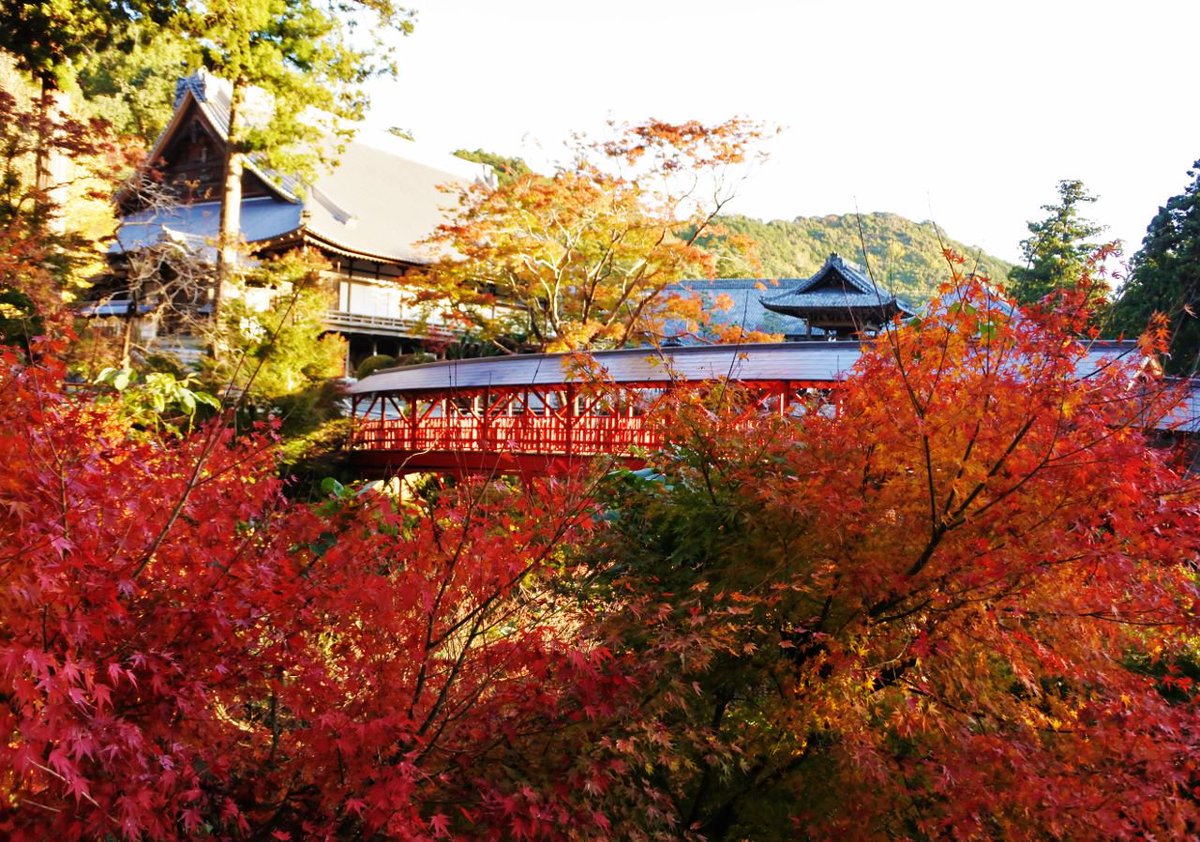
point(534, 434)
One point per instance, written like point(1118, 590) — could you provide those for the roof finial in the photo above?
point(197, 83)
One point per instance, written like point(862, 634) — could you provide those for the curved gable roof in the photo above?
point(379, 203)
point(838, 284)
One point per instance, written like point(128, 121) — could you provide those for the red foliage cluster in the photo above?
point(182, 651)
point(36, 260)
point(956, 597)
point(674, 147)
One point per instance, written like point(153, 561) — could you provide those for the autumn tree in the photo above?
point(961, 572)
point(45, 38)
point(1057, 248)
point(582, 258)
point(41, 262)
point(1165, 278)
point(279, 357)
point(183, 651)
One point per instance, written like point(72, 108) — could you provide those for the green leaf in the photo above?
point(332, 487)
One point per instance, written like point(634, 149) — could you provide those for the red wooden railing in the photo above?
point(522, 428)
point(530, 413)
point(544, 434)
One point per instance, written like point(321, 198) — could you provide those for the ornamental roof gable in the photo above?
point(381, 201)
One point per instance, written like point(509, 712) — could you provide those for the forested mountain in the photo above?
point(903, 255)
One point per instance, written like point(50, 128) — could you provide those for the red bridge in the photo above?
point(527, 414)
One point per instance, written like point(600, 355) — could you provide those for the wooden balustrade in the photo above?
point(526, 434)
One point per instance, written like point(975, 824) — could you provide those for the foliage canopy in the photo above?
point(930, 588)
point(904, 256)
point(1165, 278)
point(961, 572)
point(1058, 247)
point(582, 258)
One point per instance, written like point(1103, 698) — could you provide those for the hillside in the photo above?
point(904, 256)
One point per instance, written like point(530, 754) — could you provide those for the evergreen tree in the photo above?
point(1058, 247)
point(307, 56)
point(45, 38)
point(1165, 277)
point(131, 83)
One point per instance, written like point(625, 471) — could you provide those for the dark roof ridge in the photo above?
point(733, 283)
point(856, 275)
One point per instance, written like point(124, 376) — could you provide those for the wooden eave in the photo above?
point(884, 310)
point(308, 238)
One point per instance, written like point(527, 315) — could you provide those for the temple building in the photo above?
point(839, 301)
point(368, 217)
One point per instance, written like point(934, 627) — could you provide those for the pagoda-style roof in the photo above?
point(379, 203)
point(841, 298)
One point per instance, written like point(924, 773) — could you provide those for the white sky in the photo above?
point(966, 113)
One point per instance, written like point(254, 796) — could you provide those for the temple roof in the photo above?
point(838, 285)
point(744, 297)
point(839, 292)
point(382, 199)
point(813, 361)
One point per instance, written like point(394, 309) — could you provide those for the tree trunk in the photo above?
point(43, 204)
point(229, 233)
point(131, 325)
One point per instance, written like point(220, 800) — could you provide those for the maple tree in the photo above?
point(955, 598)
point(583, 258)
point(184, 652)
point(42, 259)
point(44, 39)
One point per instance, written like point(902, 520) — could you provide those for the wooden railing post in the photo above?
point(485, 422)
point(569, 418)
point(411, 402)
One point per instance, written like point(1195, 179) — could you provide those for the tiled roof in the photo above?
point(213, 96)
point(745, 311)
point(796, 361)
point(766, 305)
point(263, 218)
point(832, 299)
point(806, 361)
point(380, 201)
point(850, 287)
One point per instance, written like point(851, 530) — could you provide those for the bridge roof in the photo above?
point(814, 362)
